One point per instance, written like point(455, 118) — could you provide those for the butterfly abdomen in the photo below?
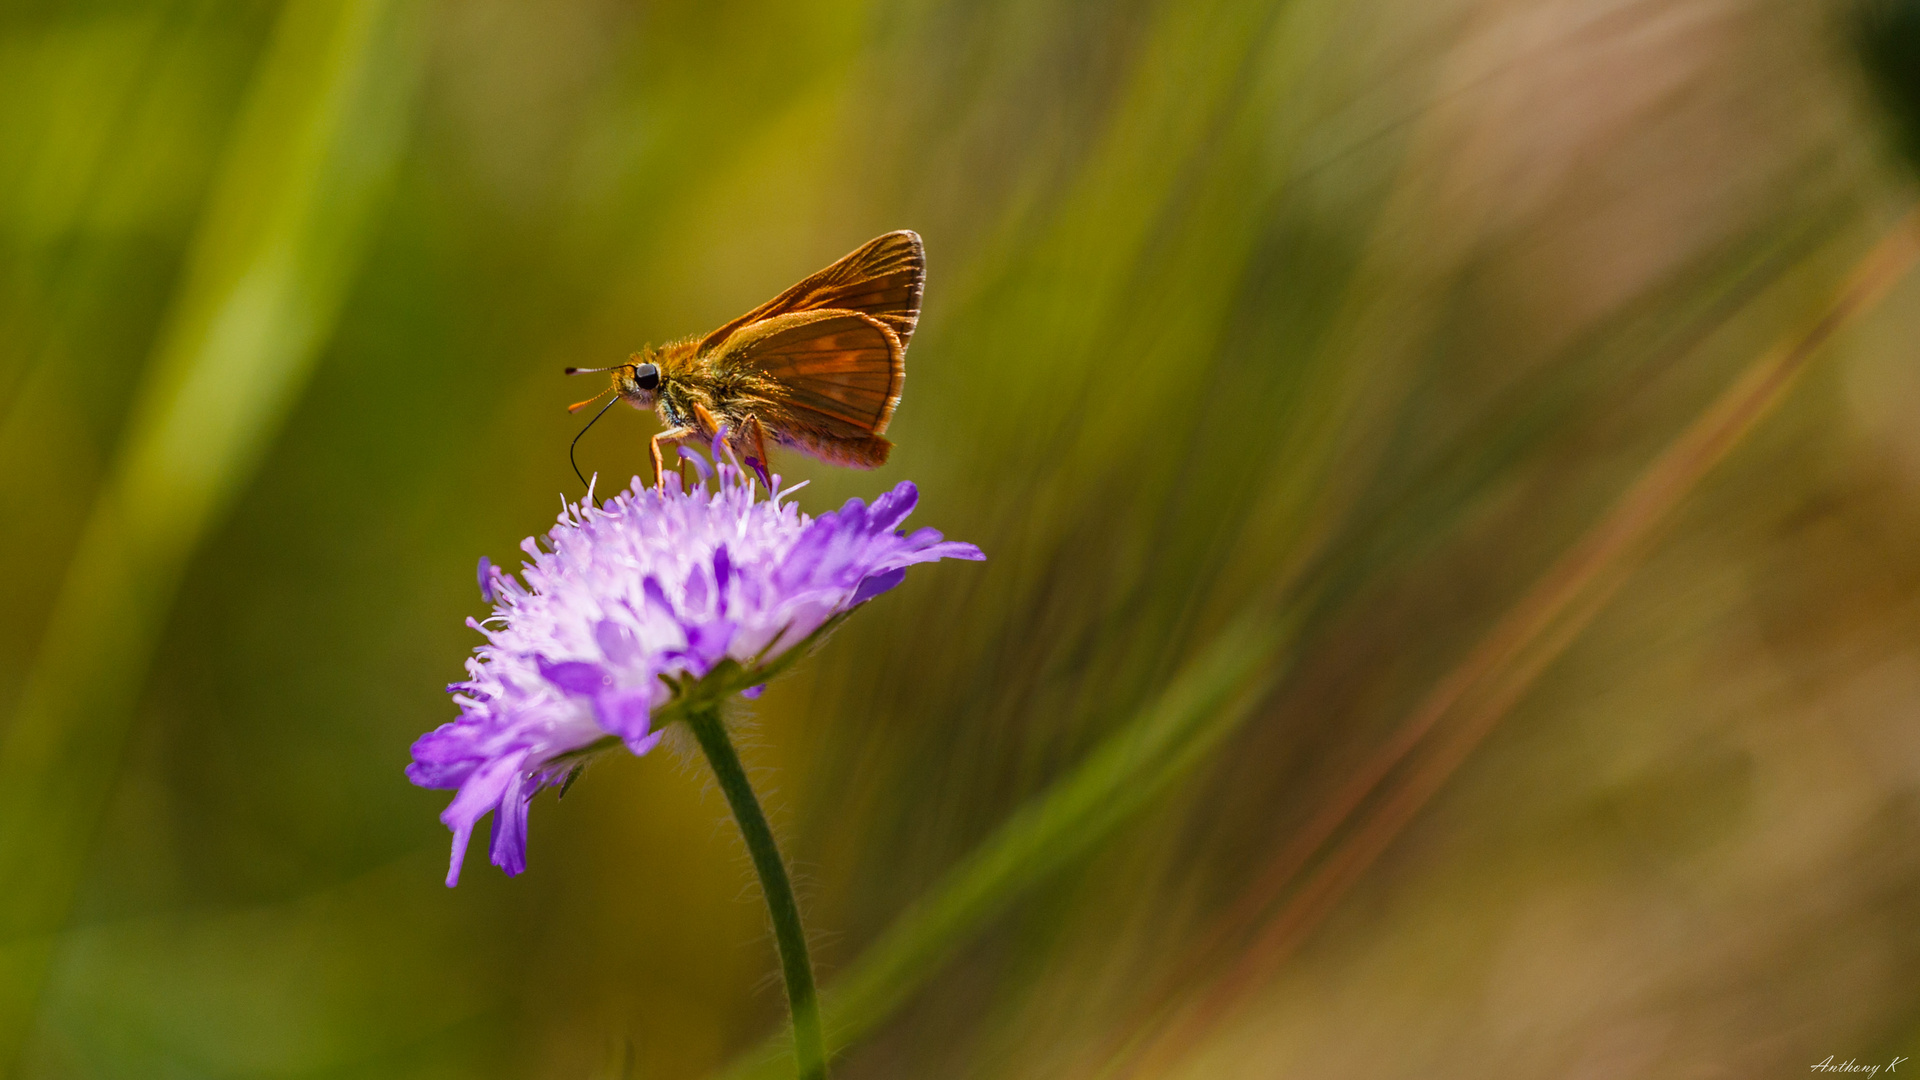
point(861, 453)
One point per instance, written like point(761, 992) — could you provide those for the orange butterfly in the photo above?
point(817, 368)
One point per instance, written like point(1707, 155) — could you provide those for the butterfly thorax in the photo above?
point(689, 379)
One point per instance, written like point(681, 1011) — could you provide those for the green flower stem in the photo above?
point(809, 1050)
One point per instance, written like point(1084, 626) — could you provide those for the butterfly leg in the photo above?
point(659, 459)
point(709, 426)
point(704, 422)
point(752, 445)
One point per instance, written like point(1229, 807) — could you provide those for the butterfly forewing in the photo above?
point(883, 279)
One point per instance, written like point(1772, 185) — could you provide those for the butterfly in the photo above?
point(818, 368)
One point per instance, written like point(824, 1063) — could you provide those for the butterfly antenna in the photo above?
point(583, 431)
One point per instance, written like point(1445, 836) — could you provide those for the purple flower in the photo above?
point(636, 608)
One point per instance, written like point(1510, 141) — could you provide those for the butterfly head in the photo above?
point(638, 381)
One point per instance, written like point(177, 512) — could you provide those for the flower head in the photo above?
point(648, 602)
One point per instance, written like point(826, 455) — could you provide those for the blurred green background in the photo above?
point(1274, 351)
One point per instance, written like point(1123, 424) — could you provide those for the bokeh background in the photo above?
point(1369, 677)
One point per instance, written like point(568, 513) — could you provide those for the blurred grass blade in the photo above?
point(1493, 678)
point(1134, 766)
point(55, 168)
point(286, 222)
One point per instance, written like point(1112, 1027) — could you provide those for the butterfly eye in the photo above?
point(646, 376)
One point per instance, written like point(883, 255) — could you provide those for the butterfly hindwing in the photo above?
point(882, 279)
point(818, 375)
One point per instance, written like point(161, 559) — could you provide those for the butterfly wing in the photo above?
point(883, 280)
point(824, 381)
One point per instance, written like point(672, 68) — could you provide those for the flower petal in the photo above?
point(625, 712)
point(617, 642)
point(480, 794)
point(706, 643)
point(891, 509)
point(875, 584)
point(699, 463)
point(574, 676)
point(656, 595)
point(722, 575)
point(510, 826)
